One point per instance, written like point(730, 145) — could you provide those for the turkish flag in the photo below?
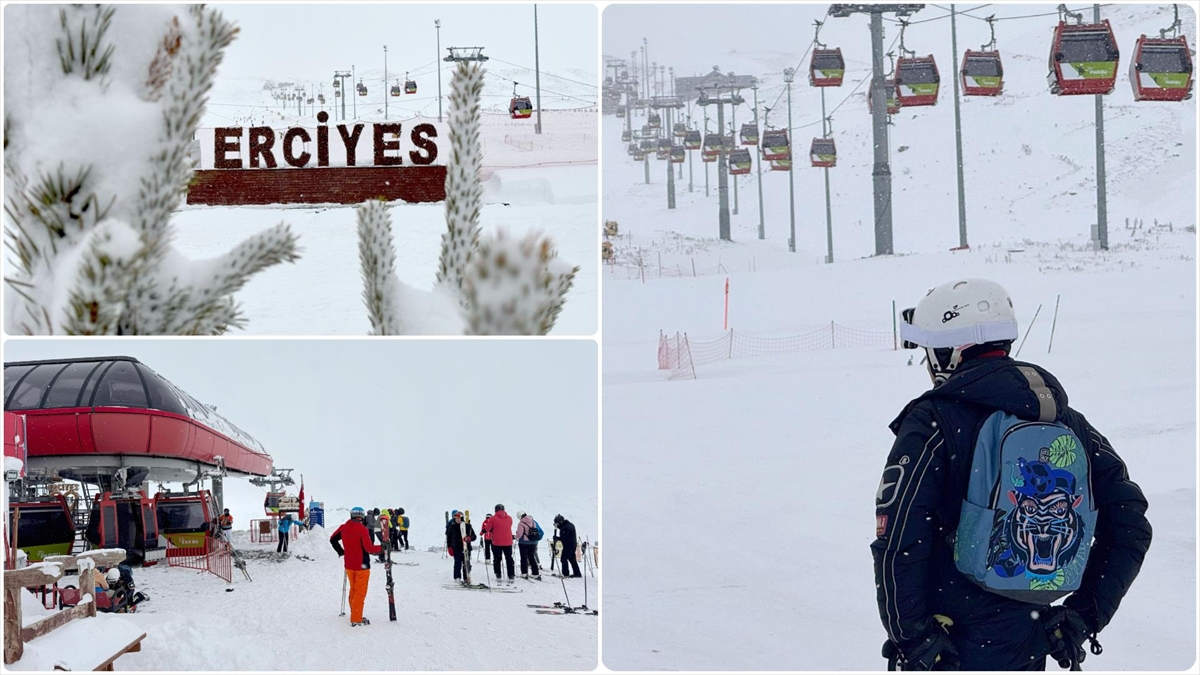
point(302, 498)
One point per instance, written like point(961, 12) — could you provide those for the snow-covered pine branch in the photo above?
point(90, 199)
point(393, 307)
point(515, 287)
point(463, 190)
point(497, 285)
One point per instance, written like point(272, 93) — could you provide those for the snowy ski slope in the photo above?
point(763, 469)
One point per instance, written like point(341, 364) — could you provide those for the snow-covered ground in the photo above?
point(322, 292)
point(765, 467)
point(287, 617)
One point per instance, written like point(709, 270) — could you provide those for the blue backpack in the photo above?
point(536, 533)
point(1026, 526)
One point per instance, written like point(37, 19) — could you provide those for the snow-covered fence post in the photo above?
point(90, 233)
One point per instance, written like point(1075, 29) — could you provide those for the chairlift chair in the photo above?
point(917, 81)
point(1083, 59)
point(827, 68)
point(982, 73)
point(749, 134)
point(823, 152)
point(740, 161)
point(693, 140)
point(775, 145)
point(1161, 69)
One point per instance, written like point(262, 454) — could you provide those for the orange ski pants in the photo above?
point(359, 579)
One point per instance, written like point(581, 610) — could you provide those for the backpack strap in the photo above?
point(1047, 408)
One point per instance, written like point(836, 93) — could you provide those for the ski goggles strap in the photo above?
point(974, 334)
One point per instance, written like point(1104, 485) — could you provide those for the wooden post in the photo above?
point(14, 649)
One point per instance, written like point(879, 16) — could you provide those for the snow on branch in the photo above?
point(89, 226)
point(490, 285)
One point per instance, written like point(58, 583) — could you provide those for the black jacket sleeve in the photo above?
point(906, 521)
point(1122, 533)
point(336, 540)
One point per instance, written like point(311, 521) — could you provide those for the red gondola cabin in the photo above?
point(520, 108)
point(827, 68)
point(823, 152)
point(775, 145)
point(1083, 59)
point(740, 161)
point(917, 81)
point(982, 74)
point(1161, 69)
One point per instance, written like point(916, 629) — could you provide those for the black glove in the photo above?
point(931, 651)
point(1066, 632)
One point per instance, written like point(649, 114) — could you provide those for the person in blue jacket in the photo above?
point(285, 527)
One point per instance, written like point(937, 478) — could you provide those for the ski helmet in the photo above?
point(499, 507)
point(455, 512)
point(956, 316)
point(113, 575)
point(358, 512)
point(520, 515)
point(400, 511)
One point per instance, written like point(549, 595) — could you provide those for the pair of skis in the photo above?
point(387, 565)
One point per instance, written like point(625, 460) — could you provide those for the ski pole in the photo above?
point(563, 581)
point(345, 578)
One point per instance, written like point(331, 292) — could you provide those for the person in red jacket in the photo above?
point(502, 543)
point(485, 531)
point(352, 541)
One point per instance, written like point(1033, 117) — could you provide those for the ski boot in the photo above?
point(364, 622)
point(525, 576)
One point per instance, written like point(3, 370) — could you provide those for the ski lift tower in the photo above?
point(882, 173)
point(668, 103)
point(465, 54)
point(717, 83)
point(339, 81)
point(279, 479)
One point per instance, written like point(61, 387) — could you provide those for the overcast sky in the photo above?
point(299, 41)
point(434, 423)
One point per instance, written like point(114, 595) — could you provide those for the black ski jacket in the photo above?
point(566, 534)
point(454, 535)
point(917, 512)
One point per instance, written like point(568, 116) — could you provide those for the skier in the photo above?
point(226, 526)
point(485, 532)
point(372, 524)
point(566, 535)
point(459, 536)
point(402, 526)
point(502, 543)
point(527, 542)
point(385, 523)
point(285, 528)
point(960, 585)
point(352, 540)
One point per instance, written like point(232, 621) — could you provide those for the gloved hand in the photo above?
point(1066, 632)
point(931, 651)
point(449, 551)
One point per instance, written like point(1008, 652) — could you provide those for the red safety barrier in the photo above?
point(264, 531)
point(215, 557)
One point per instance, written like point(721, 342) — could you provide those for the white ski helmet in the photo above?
point(954, 317)
point(113, 575)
